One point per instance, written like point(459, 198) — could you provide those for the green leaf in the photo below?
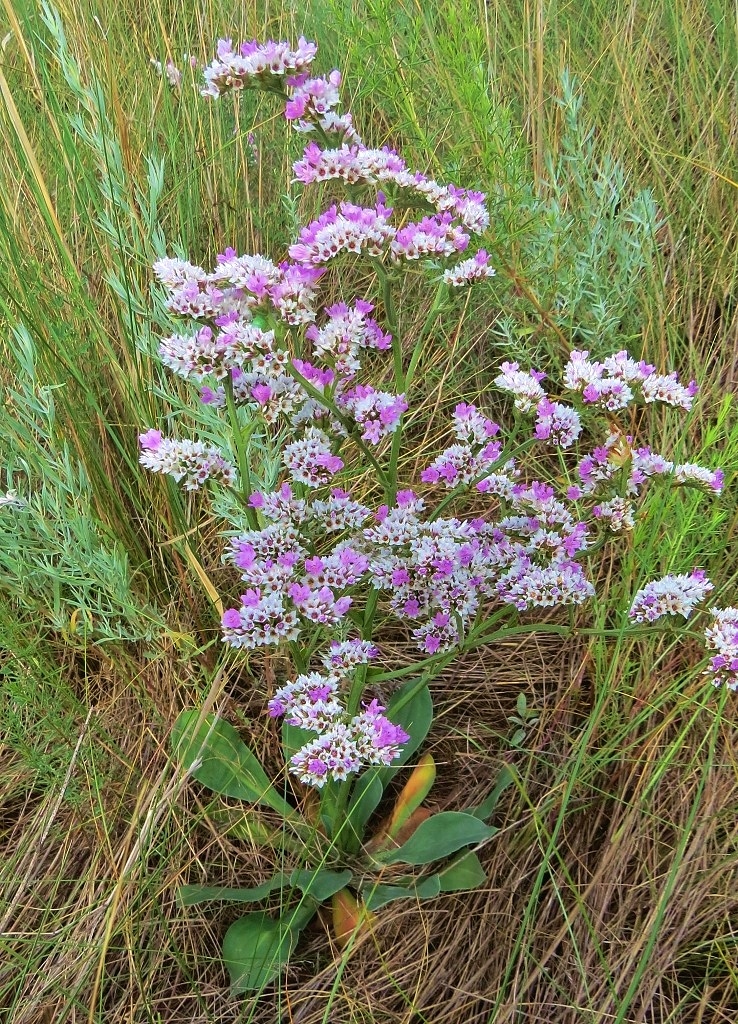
point(364, 801)
point(415, 717)
point(222, 761)
point(439, 836)
point(321, 883)
point(464, 874)
point(192, 894)
point(256, 947)
point(376, 896)
point(487, 807)
point(293, 737)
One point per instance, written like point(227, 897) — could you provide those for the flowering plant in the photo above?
point(456, 560)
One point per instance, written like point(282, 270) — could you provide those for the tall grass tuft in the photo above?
point(605, 134)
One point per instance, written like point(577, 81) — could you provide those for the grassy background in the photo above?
point(611, 891)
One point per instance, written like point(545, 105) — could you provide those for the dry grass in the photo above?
point(618, 875)
point(611, 893)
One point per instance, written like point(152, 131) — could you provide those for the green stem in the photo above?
point(331, 406)
point(505, 456)
point(241, 454)
point(438, 303)
point(390, 315)
point(391, 491)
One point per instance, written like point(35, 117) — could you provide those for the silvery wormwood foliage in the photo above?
point(311, 555)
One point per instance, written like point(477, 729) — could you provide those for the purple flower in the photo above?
point(558, 424)
point(670, 595)
point(525, 385)
point(433, 236)
point(190, 461)
point(310, 460)
point(722, 637)
point(253, 63)
point(151, 439)
point(349, 228)
point(468, 271)
point(377, 412)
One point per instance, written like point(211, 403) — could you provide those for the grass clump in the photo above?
point(604, 137)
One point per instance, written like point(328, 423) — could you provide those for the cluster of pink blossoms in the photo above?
point(679, 595)
point(358, 165)
point(469, 460)
point(312, 102)
point(289, 584)
point(671, 595)
point(616, 381)
point(441, 572)
point(344, 744)
point(189, 461)
point(722, 637)
point(612, 384)
point(273, 66)
point(616, 481)
point(315, 549)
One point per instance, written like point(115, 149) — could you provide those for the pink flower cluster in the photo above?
point(722, 637)
point(239, 288)
point(189, 461)
point(344, 744)
point(670, 595)
point(525, 385)
point(617, 477)
point(377, 412)
point(344, 229)
point(468, 271)
point(441, 572)
point(469, 460)
point(347, 331)
point(288, 582)
point(356, 164)
point(614, 382)
point(254, 63)
point(614, 472)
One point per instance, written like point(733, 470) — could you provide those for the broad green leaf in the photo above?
point(364, 801)
point(464, 874)
point(320, 884)
point(376, 896)
point(415, 717)
point(223, 761)
point(256, 947)
point(439, 836)
point(293, 737)
point(192, 894)
point(487, 807)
